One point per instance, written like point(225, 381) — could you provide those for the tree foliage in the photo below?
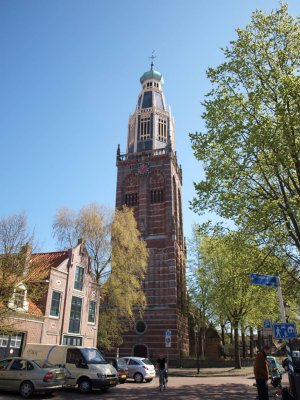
point(119, 257)
point(228, 258)
point(15, 239)
point(251, 145)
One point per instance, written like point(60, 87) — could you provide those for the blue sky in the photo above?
point(69, 78)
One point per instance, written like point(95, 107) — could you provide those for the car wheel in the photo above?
point(26, 389)
point(138, 377)
point(84, 385)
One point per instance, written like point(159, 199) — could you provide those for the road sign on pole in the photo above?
point(267, 326)
point(285, 331)
point(264, 280)
point(168, 341)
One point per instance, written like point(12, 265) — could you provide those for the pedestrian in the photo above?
point(261, 372)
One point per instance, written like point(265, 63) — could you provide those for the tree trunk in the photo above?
point(237, 358)
point(259, 339)
point(202, 344)
point(244, 345)
point(251, 342)
point(223, 334)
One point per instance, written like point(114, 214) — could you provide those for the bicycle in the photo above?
point(162, 380)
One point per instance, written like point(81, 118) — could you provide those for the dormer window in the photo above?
point(19, 301)
point(19, 298)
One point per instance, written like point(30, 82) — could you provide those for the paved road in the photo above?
point(181, 388)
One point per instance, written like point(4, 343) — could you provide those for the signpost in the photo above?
point(285, 331)
point(264, 280)
point(168, 341)
point(267, 326)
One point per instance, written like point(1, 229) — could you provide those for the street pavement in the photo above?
point(183, 384)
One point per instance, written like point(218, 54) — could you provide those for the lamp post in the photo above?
point(196, 331)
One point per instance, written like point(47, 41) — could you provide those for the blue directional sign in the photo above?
point(284, 331)
point(168, 333)
point(267, 324)
point(265, 280)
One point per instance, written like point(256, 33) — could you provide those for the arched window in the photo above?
point(131, 191)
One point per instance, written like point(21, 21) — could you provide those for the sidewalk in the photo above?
point(210, 372)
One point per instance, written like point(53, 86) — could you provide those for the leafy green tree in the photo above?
point(119, 257)
point(230, 258)
point(200, 286)
point(251, 146)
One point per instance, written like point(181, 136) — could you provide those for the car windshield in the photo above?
point(146, 361)
point(92, 356)
point(43, 363)
point(122, 363)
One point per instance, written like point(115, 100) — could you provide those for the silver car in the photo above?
point(140, 368)
point(30, 376)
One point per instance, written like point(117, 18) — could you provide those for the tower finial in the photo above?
point(152, 58)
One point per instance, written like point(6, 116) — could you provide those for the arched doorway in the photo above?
point(140, 351)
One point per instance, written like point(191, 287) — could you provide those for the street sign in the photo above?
point(267, 326)
point(284, 331)
point(168, 333)
point(264, 280)
point(168, 341)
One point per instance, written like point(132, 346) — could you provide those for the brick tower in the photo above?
point(150, 181)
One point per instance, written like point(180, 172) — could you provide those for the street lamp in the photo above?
point(196, 330)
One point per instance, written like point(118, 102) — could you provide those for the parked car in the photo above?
point(120, 365)
point(28, 376)
point(275, 369)
point(140, 369)
point(85, 366)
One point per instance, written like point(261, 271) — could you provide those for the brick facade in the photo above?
point(55, 273)
point(150, 181)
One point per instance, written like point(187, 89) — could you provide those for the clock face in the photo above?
point(143, 169)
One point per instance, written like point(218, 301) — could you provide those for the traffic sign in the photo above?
point(267, 326)
point(168, 341)
point(168, 333)
point(285, 331)
point(264, 280)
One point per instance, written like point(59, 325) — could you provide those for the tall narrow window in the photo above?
point(131, 199)
point(162, 130)
point(75, 315)
point(145, 128)
point(156, 196)
point(92, 312)
point(19, 298)
point(55, 303)
point(79, 274)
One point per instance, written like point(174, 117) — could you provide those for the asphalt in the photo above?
point(210, 372)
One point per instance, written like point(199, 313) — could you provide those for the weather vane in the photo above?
point(152, 58)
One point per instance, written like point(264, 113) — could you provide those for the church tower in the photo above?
point(150, 181)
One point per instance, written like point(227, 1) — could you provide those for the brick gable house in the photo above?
point(66, 311)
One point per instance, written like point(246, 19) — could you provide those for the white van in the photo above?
point(85, 366)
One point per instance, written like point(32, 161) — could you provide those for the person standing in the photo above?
point(261, 372)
